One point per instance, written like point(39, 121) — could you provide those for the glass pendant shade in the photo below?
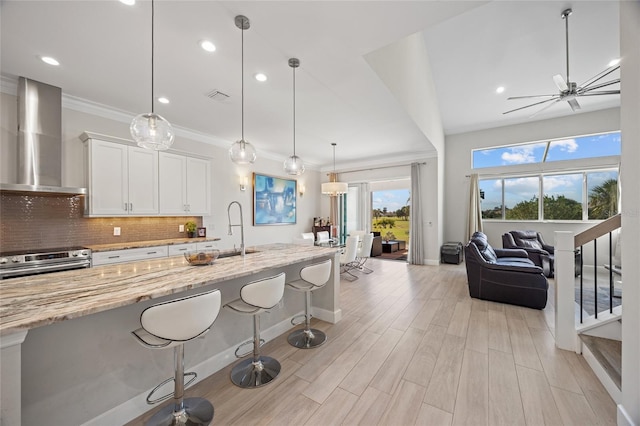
point(294, 165)
point(242, 152)
point(151, 131)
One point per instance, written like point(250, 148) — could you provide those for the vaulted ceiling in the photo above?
point(104, 49)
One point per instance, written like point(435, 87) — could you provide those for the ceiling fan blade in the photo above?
point(560, 83)
point(545, 108)
point(534, 104)
point(604, 92)
point(573, 103)
point(531, 96)
point(598, 86)
point(599, 76)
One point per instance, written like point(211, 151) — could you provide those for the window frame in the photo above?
point(540, 195)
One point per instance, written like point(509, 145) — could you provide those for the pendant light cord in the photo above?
point(294, 111)
point(152, 52)
point(242, 80)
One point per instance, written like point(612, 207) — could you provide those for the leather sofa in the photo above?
point(503, 275)
point(542, 254)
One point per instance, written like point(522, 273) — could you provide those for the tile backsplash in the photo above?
point(38, 222)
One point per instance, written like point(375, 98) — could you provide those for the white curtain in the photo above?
point(475, 212)
point(416, 242)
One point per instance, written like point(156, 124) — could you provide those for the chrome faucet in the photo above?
point(241, 225)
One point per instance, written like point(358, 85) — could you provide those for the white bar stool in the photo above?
point(170, 325)
point(312, 277)
point(255, 298)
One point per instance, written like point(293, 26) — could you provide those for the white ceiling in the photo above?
point(104, 51)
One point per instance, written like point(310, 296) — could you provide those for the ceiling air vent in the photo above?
point(217, 95)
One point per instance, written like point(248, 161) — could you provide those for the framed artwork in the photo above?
point(202, 232)
point(274, 200)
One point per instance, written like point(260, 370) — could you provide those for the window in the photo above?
point(590, 146)
point(562, 195)
point(602, 190)
point(521, 198)
point(491, 198)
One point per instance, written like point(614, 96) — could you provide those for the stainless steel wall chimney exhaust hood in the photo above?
point(40, 141)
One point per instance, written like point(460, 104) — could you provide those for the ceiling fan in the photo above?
point(568, 90)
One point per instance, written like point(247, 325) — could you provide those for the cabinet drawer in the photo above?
point(207, 245)
point(128, 255)
point(177, 249)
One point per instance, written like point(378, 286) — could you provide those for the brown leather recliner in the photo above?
point(541, 253)
point(503, 275)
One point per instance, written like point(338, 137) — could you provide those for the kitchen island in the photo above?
point(79, 352)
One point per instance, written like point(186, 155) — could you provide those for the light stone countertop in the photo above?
point(40, 300)
point(151, 243)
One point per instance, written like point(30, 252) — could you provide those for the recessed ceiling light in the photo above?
point(614, 62)
point(208, 46)
point(163, 100)
point(128, 2)
point(49, 60)
point(500, 89)
point(260, 77)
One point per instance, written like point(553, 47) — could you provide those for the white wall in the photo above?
point(630, 107)
point(458, 166)
point(404, 68)
point(225, 175)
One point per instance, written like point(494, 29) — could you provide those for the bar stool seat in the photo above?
point(170, 325)
point(255, 298)
point(312, 277)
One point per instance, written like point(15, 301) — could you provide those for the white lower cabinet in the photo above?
point(144, 253)
point(128, 255)
point(177, 249)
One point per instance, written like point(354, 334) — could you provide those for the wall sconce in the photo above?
point(301, 190)
point(244, 181)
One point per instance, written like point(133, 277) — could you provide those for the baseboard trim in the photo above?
point(623, 417)
point(326, 315)
point(137, 405)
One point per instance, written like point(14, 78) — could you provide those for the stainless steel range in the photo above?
point(31, 262)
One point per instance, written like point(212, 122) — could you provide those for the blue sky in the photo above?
point(564, 149)
point(391, 199)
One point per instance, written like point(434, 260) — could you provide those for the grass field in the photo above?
point(400, 228)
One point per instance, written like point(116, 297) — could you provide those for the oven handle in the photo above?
point(49, 268)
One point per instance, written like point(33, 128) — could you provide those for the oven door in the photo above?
point(24, 271)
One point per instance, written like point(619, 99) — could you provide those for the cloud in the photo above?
point(521, 154)
point(566, 145)
point(525, 186)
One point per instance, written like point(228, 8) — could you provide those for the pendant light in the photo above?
point(150, 130)
point(294, 165)
point(242, 152)
point(333, 187)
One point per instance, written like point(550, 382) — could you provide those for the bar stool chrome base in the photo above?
point(253, 374)
point(306, 338)
point(196, 412)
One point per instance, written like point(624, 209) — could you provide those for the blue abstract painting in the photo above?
point(274, 200)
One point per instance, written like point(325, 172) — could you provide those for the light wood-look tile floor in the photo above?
point(414, 348)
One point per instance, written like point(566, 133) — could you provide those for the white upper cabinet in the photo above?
point(122, 180)
point(184, 185)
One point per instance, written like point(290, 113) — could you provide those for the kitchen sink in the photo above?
point(235, 253)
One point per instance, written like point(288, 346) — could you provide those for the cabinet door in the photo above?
point(173, 184)
point(178, 249)
point(198, 189)
point(108, 180)
point(143, 181)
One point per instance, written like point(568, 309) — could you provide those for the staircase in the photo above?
point(598, 335)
